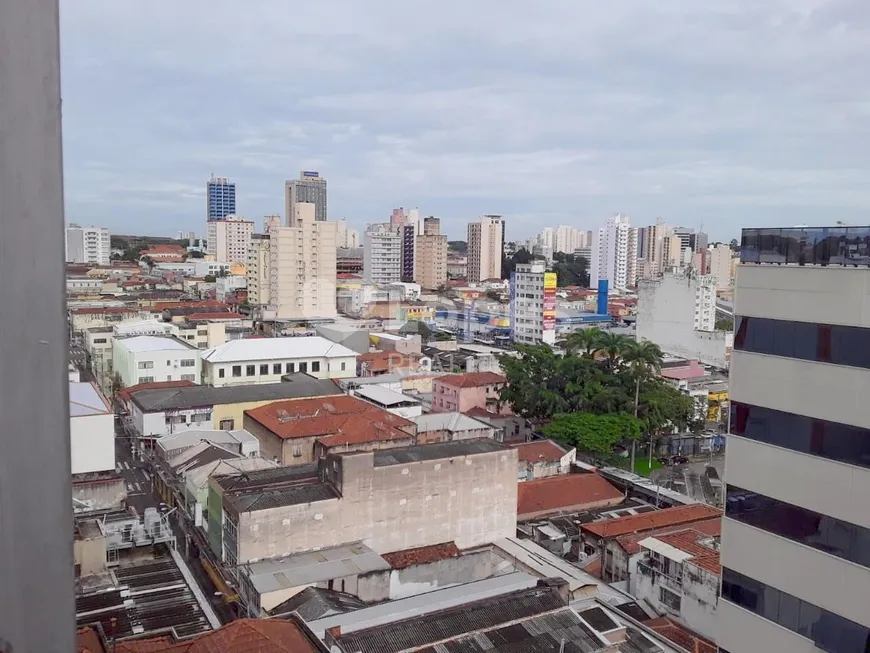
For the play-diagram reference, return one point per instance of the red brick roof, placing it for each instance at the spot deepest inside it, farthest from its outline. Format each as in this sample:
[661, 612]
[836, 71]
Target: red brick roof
[631, 543]
[88, 641]
[680, 635]
[560, 493]
[471, 380]
[353, 419]
[539, 451]
[381, 361]
[222, 315]
[162, 385]
[651, 520]
[689, 540]
[423, 555]
[241, 636]
[108, 310]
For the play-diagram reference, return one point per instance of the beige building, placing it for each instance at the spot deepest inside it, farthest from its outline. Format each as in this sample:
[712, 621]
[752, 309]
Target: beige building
[672, 254]
[485, 248]
[431, 254]
[228, 240]
[302, 267]
[720, 266]
[258, 270]
[346, 238]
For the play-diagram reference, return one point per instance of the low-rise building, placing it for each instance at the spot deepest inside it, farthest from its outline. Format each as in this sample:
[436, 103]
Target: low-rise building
[543, 458]
[290, 431]
[511, 429]
[447, 427]
[462, 392]
[91, 429]
[146, 359]
[266, 360]
[560, 495]
[391, 401]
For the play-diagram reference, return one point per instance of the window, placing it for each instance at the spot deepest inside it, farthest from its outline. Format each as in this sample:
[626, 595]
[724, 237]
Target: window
[146, 365]
[188, 362]
[188, 377]
[315, 366]
[834, 536]
[669, 599]
[303, 368]
[237, 370]
[227, 424]
[276, 368]
[146, 379]
[343, 367]
[202, 332]
[264, 369]
[297, 451]
[250, 370]
[100, 341]
[817, 437]
[291, 367]
[222, 373]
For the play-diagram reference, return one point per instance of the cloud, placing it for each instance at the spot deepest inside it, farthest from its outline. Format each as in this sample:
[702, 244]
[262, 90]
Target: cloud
[729, 114]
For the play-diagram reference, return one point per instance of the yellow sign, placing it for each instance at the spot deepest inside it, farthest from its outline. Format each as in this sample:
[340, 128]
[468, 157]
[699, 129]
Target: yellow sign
[550, 280]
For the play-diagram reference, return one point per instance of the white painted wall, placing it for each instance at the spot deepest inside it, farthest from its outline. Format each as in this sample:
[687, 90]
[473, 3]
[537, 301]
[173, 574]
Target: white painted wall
[330, 368]
[92, 442]
[150, 424]
[741, 631]
[162, 365]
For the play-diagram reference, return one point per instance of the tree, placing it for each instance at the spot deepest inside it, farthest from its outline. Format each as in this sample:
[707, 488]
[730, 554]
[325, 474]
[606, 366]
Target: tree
[614, 346]
[210, 278]
[458, 246]
[725, 324]
[509, 263]
[591, 433]
[533, 382]
[195, 254]
[585, 341]
[571, 270]
[643, 360]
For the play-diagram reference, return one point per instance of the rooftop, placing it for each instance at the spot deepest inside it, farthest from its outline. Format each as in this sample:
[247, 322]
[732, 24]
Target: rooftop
[422, 555]
[273, 488]
[651, 520]
[450, 422]
[471, 380]
[251, 349]
[316, 603]
[188, 438]
[439, 451]
[299, 385]
[539, 451]
[216, 316]
[85, 400]
[631, 543]
[680, 635]
[125, 393]
[564, 493]
[142, 344]
[691, 543]
[385, 396]
[337, 415]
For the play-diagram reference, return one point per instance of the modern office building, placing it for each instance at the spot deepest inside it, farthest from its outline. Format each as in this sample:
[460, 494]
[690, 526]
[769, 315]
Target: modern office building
[302, 267]
[382, 253]
[309, 188]
[614, 254]
[795, 548]
[431, 255]
[533, 304]
[90, 245]
[220, 198]
[485, 248]
[228, 239]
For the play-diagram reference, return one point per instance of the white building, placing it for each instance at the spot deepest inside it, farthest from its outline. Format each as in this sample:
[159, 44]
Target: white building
[302, 267]
[228, 239]
[533, 305]
[345, 237]
[88, 245]
[719, 262]
[795, 548]
[382, 253]
[228, 285]
[145, 359]
[266, 360]
[485, 248]
[677, 311]
[258, 270]
[614, 254]
[91, 430]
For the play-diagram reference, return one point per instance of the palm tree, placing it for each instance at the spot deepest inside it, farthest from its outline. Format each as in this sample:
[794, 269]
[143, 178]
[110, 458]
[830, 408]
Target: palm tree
[644, 359]
[614, 345]
[585, 341]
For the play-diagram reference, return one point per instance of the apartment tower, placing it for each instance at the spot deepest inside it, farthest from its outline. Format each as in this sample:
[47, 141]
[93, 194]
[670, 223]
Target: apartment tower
[88, 245]
[310, 188]
[485, 248]
[220, 195]
[431, 255]
[614, 254]
[382, 253]
[795, 548]
[228, 239]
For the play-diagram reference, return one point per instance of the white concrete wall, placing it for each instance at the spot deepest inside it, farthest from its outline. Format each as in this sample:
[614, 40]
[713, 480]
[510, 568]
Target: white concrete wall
[155, 423]
[92, 442]
[741, 631]
[166, 364]
[330, 368]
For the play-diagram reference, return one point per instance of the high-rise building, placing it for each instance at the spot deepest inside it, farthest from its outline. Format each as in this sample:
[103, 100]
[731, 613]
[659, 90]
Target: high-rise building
[567, 239]
[220, 198]
[533, 304]
[88, 245]
[614, 254]
[310, 188]
[346, 238]
[258, 270]
[382, 253]
[651, 248]
[228, 239]
[431, 254]
[672, 251]
[302, 266]
[485, 248]
[795, 547]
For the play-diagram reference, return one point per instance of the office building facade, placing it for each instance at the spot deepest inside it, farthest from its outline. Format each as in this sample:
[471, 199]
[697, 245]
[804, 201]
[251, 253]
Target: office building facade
[310, 188]
[220, 198]
[228, 239]
[90, 245]
[795, 548]
[485, 248]
[382, 253]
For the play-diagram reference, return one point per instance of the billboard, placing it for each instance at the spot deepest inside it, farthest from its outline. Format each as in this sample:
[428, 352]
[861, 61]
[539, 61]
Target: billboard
[310, 173]
[549, 305]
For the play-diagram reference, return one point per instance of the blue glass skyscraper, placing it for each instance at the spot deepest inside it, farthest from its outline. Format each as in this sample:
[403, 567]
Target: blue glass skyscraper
[220, 198]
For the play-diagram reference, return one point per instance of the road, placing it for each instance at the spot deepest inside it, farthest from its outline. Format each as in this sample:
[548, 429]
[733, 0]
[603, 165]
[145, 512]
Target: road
[693, 479]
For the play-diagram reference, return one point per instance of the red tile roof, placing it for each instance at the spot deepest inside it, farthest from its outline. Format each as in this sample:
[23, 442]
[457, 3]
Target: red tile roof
[471, 380]
[242, 636]
[565, 493]
[222, 315]
[108, 310]
[631, 543]
[345, 417]
[382, 361]
[651, 520]
[689, 540]
[423, 555]
[680, 635]
[125, 393]
[88, 641]
[539, 451]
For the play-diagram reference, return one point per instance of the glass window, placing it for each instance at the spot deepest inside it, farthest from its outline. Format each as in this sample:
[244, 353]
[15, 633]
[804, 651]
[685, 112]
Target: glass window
[188, 377]
[250, 370]
[276, 368]
[264, 369]
[303, 368]
[237, 370]
[146, 365]
[290, 367]
[315, 366]
[343, 366]
[188, 362]
[146, 379]
[221, 373]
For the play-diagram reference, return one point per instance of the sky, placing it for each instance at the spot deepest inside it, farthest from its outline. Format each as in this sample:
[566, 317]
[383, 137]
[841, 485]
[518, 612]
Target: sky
[716, 113]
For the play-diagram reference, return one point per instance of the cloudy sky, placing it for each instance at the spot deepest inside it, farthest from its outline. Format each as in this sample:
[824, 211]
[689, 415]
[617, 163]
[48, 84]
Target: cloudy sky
[726, 113]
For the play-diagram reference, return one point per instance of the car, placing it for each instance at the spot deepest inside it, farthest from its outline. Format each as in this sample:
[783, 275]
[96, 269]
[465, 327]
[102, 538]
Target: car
[679, 460]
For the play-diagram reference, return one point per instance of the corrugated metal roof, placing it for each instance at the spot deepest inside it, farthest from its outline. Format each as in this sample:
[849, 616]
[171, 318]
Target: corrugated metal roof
[438, 451]
[276, 348]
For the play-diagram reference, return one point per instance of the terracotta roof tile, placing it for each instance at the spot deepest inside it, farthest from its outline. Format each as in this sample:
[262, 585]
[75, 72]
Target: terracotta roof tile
[689, 540]
[471, 380]
[564, 493]
[539, 451]
[108, 310]
[125, 393]
[88, 641]
[680, 635]
[651, 520]
[222, 315]
[631, 543]
[421, 555]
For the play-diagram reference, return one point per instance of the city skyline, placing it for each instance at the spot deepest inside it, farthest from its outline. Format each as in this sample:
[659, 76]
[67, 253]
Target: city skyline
[729, 136]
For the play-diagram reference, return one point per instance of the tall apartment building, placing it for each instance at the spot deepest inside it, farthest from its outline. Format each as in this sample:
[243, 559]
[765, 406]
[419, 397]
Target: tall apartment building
[310, 188]
[533, 304]
[795, 549]
[719, 262]
[431, 255]
[346, 238]
[228, 239]
[88, 245]
[651, 249]
[302, 267]
[614, 253]
[485, 248]
[382, 253]
[220, 197]
[258, 270]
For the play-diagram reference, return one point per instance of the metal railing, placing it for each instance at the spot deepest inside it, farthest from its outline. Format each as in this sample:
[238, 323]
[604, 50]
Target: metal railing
[840, 245]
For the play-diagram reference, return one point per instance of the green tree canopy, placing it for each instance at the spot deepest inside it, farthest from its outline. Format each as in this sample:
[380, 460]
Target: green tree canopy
[572, 270]
[591, 433]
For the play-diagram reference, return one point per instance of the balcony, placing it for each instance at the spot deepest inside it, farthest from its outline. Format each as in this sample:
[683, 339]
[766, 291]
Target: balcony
[842, 246]
[650, 568]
